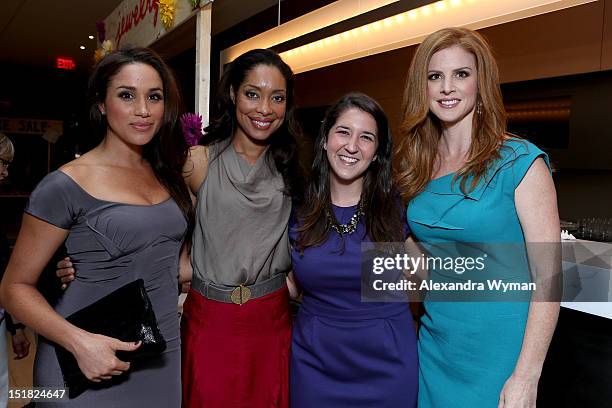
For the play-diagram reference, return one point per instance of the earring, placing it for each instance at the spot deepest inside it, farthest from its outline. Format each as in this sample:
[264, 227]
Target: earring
[479, 108]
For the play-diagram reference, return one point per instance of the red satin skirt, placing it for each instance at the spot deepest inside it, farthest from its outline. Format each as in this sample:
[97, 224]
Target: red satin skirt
[236, 355]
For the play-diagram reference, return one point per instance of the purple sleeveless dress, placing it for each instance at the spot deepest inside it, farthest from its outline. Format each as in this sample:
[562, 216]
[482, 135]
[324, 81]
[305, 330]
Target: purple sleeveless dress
[344, 352]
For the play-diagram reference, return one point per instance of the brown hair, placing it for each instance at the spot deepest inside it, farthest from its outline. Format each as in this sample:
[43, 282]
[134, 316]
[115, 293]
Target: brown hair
[420, 130]
[381, 204]
[167, 151]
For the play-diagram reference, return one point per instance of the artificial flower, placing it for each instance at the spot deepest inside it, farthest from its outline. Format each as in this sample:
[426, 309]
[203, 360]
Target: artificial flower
[101, 29]
[167, 11]
[106, 48]
[98, 55]
[191, 124]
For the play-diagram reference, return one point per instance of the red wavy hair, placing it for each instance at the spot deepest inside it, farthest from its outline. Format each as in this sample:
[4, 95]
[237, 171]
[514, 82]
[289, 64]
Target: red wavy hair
[420, 130]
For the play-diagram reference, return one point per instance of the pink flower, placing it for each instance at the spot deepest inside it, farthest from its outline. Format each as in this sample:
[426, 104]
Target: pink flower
[191, 124]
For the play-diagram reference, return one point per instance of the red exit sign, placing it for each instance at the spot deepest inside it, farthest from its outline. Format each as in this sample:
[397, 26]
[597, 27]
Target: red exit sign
[65, 63]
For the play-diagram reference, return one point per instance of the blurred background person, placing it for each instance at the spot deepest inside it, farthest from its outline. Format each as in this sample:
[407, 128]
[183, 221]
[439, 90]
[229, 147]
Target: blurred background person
[20, 342]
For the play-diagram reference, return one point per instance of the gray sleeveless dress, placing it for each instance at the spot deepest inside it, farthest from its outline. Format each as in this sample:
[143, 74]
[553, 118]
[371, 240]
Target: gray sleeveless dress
[112, 244]
[241, 233]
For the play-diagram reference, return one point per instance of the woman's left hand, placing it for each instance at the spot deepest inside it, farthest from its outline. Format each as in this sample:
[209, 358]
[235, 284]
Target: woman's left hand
[519, 393]
[21, 344]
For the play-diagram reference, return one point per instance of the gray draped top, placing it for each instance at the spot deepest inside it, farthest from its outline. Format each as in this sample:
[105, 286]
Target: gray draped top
[241, 233]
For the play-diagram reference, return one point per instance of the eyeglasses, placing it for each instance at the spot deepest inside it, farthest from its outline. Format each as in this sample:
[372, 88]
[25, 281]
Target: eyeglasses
[5, 163]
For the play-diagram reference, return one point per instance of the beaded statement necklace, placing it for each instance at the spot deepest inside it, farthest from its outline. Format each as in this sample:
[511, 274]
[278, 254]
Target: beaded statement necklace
[350, 226]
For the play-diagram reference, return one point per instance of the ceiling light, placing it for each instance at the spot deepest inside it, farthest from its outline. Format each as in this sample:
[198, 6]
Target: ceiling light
[91, 37]
[440, 6]
[373, 39]
[82, 47]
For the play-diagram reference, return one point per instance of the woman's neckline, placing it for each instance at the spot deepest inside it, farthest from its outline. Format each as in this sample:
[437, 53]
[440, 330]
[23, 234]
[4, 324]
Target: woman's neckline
[344, 206]
[109, 201]
[444, 176]
[505, 141]
[241, 157]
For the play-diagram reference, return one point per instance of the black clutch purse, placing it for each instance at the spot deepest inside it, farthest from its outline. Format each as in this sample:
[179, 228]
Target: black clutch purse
[125, 314]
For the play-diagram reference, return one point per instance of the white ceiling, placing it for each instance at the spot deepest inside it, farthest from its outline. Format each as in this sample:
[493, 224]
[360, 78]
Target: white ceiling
[35, 32]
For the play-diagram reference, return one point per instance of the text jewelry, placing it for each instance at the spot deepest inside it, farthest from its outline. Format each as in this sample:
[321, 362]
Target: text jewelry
[350, 226]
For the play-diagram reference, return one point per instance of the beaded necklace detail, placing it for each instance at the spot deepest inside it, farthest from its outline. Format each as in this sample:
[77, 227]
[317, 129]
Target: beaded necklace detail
[350, 226]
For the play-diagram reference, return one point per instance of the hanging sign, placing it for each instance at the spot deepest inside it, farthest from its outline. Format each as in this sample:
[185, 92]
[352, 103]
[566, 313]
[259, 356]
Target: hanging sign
[30, 126]
[142, 22]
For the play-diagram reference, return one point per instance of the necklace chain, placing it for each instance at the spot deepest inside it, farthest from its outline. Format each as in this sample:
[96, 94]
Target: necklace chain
[350, 226]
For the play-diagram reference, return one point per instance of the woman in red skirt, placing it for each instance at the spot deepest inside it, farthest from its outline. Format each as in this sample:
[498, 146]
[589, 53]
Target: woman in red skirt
[236, 326]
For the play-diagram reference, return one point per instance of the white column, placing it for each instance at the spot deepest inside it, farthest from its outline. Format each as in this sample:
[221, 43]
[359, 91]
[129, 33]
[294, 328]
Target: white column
[202, 72]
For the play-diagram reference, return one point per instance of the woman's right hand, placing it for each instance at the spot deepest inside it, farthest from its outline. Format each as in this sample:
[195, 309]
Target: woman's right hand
[294, 288]
[96, 357]
[65, 272]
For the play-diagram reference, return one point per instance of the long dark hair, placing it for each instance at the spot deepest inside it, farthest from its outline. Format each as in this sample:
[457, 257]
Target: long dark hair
[282, 151]
[167, 151]
[378, 197]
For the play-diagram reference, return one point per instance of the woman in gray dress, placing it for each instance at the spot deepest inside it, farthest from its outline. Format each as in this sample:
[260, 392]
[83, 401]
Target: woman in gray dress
[123, 209]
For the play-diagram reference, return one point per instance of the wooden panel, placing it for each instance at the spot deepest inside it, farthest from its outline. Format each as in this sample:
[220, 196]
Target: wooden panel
[562, 43]
[381, 76]
[555, 44]
[606, 47]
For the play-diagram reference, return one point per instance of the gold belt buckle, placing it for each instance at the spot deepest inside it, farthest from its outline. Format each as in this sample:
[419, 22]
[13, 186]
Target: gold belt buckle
[240, 295]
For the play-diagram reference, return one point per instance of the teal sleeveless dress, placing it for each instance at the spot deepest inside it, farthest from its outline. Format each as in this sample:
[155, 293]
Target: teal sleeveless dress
[468, 349]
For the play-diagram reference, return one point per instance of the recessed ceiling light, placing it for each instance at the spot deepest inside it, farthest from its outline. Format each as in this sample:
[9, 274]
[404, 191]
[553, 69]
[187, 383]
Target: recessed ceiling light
[91, 37]
[82, 47]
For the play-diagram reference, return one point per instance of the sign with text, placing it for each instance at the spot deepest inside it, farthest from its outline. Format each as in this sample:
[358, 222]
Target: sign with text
[30, 126]
[65, 63]
[138, 22]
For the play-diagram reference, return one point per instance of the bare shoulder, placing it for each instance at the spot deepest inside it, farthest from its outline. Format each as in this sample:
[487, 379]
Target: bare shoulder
[536, 204]
[196, 167]
[81, 168]
[537, 176]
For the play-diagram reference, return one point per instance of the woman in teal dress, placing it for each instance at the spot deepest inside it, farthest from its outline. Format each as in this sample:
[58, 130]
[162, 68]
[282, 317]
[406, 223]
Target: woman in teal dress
[467, 181]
